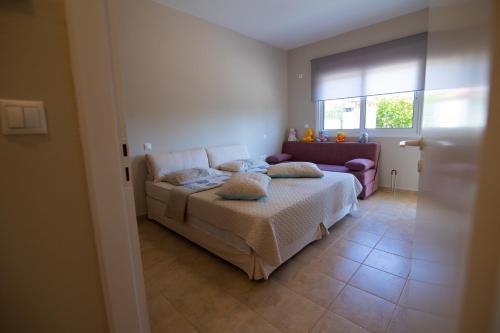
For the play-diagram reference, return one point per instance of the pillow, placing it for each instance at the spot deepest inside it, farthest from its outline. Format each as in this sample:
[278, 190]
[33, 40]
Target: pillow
[360, 164]
[243, 165]
[233, 166]
[295, 170]
[245, 186]
[160, 164]
[188, 176]
[222, 154]
[278, 158]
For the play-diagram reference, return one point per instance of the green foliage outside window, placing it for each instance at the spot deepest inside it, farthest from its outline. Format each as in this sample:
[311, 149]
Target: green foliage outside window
[394, 112]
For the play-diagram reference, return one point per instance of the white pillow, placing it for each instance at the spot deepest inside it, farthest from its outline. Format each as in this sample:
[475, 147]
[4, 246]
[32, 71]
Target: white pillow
[294, 170]
[243, 165]
[161, 164]
[188, 176]
[222, 154]
[245, 186]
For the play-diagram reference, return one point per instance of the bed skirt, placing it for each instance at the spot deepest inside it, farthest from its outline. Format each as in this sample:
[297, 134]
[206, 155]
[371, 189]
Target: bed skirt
[232, 248]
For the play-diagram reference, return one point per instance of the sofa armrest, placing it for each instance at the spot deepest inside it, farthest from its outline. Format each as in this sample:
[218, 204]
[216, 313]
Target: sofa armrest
[360, 164]
[278, 158]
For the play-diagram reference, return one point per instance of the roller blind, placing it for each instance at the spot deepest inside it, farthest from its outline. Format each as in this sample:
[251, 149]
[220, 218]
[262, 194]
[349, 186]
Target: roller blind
[389, 67]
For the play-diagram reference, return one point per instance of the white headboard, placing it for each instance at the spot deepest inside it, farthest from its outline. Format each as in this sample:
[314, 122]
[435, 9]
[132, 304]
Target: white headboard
[159, 164]
[222, 154]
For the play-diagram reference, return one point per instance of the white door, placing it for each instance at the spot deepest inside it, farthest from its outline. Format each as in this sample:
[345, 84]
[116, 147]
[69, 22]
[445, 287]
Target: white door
[454, 117]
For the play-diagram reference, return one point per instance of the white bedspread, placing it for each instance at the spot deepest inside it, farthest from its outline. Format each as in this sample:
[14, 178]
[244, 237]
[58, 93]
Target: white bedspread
[295, 207]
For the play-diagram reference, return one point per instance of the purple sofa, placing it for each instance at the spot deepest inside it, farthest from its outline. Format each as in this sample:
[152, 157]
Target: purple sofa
[331, 156]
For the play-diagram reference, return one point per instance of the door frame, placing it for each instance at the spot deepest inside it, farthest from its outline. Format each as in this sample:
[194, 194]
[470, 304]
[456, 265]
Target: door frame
[102, 133]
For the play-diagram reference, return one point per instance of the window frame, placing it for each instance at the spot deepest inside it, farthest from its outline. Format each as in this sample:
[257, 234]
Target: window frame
[376, 132]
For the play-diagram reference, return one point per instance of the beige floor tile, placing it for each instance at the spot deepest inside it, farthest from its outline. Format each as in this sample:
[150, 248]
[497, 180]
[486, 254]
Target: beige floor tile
[282, 307]
[430, 298]
[404, 233]
[164, 318]
[332, 323]
[327, 241]
[413, 321]
[309, 253]
[362, 237]
[430, 272]
[316, 286]
[337, 267]
[256, 324]
[349, 250]
[388, 262]
[288, 271]
[364, 309]
[371, 225]
[206, 307]
[340, 227]
[395, 246]
[379, 283]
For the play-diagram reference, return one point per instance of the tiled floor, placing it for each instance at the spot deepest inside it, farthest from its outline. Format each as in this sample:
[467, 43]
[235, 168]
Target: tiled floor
[355, 280]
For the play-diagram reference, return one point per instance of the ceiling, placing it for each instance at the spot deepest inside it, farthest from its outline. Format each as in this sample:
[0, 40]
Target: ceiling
[288, 24]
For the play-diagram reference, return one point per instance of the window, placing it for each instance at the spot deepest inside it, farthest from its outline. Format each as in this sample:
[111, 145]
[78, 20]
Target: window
[342, 113]
[390, 111]
[395, 114]
[377, 88]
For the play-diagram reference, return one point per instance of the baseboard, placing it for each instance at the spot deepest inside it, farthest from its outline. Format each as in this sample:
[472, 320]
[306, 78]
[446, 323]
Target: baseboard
[400, 190]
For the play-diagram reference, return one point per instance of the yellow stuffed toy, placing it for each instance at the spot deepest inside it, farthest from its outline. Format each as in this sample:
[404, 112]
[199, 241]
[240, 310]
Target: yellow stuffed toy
[340, 137]
[309, 135]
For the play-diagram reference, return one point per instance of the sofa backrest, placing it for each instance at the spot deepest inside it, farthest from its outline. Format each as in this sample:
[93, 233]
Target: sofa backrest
[331, 152]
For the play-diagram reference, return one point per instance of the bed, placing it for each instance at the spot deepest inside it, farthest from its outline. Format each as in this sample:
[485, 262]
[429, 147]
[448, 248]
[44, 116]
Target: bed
[256, 236]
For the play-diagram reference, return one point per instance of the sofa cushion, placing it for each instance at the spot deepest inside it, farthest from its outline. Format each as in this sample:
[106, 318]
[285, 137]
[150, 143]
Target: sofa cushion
[360, 164]
[278, 158]
[364, 177]
[333, 168]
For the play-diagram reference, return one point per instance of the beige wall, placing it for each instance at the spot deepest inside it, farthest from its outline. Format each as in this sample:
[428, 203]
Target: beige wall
[189, 83]
[49, 280]
[302, 110]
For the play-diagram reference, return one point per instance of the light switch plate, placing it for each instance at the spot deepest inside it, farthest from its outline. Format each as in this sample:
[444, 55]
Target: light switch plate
[23, 117]
[15, 117]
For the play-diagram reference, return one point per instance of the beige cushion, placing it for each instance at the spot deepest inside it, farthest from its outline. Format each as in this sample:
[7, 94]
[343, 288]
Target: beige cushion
[243, 165]
[233, 166]
[222, 154]
[294, 170]
[245, 186]
[188, 176]
[161, 164]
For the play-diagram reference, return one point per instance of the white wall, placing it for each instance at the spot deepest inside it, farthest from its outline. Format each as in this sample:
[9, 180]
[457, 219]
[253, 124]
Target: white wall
[302, 111]
[189, 83]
